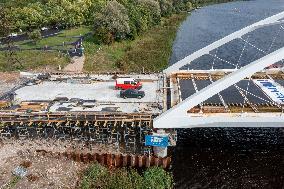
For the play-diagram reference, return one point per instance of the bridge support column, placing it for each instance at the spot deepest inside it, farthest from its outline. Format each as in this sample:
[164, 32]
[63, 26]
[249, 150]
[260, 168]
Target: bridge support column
[161, 151]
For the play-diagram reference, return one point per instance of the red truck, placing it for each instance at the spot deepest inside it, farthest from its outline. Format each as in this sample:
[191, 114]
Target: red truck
[127, 83]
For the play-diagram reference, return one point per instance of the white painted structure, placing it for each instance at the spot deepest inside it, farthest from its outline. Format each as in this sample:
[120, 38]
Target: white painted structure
[177, 117]
[273, 20]
[272, 89]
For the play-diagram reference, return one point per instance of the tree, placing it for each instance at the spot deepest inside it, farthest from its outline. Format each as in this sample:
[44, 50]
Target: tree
[29, 17]
[166, 7]
[150, 12]
[113, 20]
[182, 5]
[6, 27]
[5, 22]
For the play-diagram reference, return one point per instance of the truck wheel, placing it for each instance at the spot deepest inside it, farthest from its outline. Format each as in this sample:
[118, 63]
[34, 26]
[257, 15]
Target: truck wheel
[125, 97]
[139, 97]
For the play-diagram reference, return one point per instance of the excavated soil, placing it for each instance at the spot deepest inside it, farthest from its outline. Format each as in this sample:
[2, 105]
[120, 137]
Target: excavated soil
[9, 81]
[43, 171]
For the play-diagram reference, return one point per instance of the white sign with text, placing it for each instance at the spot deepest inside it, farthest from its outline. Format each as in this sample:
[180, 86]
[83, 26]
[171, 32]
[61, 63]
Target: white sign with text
[274, 90]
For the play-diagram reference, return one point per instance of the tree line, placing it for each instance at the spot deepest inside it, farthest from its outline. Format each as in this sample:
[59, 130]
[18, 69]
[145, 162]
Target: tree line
[112, 20]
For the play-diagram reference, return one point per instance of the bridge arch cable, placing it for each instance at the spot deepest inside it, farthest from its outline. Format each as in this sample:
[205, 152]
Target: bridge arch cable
[268, 76]
[177, 116]
[244, 93]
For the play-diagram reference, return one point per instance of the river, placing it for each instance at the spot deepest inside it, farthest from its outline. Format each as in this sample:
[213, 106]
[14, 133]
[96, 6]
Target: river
[227, 157]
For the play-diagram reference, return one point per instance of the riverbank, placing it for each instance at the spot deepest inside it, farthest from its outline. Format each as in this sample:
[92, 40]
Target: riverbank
[150, 52]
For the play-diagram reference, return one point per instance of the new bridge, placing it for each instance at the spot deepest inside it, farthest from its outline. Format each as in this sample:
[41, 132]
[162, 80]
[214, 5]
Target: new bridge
[250, 93]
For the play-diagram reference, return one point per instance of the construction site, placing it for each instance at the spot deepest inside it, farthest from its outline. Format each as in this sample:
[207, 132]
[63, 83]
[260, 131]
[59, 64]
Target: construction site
[87, 108]
[80, 117]
[88, 117]
[82, 108]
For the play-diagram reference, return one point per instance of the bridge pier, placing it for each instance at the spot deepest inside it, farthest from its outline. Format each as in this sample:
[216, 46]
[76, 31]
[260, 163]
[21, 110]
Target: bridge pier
[160, 151]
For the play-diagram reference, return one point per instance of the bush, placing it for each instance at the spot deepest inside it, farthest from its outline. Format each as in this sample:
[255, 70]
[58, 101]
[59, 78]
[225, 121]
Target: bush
[121, 178]
[156, 177]
[98, 176]
[34, 35]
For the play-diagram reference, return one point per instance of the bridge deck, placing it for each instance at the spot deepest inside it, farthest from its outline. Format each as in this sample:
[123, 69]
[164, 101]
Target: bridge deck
[186, 83]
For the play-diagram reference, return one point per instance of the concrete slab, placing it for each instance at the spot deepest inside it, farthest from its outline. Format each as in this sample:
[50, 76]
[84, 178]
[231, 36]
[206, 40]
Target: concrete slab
[130, 107]
[99, 91]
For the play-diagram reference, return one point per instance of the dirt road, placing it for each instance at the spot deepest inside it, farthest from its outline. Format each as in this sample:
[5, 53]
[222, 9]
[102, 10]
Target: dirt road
[76, 65]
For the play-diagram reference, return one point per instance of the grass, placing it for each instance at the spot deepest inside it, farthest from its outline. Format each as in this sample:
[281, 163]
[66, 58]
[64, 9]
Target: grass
[150, 52]
[30, 60]
[98, 176]
[66, 36]
[35, 59]
[103, 58]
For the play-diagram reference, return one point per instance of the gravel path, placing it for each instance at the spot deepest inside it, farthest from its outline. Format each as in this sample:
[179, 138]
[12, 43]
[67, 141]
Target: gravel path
[76, 65]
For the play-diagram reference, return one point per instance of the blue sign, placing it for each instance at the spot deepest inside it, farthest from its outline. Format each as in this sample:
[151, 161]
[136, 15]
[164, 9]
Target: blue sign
[153, 140]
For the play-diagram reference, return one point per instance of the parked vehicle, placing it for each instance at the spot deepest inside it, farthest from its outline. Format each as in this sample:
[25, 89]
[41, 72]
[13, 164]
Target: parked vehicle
[44, 28]
[13, 35]
[127, 83]
[132, 93]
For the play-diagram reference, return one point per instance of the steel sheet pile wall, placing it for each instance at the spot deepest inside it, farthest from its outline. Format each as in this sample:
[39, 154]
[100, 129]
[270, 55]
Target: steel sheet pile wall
[111, 160]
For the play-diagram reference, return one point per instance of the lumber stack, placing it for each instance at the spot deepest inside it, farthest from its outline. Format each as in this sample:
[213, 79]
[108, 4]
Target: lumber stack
[32, 106]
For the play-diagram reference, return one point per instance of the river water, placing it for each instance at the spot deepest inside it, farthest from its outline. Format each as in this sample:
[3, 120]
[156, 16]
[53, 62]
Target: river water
[228, 157]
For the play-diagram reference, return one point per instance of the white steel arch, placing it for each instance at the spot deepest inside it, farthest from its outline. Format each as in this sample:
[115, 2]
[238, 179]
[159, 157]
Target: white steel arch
[177, 117]
[273, 20]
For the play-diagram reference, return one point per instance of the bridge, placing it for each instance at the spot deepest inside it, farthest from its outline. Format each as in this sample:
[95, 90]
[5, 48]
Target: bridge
[241, 89]
[245, 95]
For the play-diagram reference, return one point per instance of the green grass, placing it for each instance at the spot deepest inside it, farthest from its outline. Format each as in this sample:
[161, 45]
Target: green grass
[149, 52]
[30, 60]
[104, 58]
[67, 36]
[98, 176]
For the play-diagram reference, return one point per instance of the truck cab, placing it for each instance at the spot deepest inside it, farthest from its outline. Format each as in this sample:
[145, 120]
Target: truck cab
[127, 83]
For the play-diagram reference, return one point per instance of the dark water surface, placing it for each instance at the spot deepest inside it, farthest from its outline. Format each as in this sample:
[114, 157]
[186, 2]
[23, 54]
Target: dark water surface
[228, 157]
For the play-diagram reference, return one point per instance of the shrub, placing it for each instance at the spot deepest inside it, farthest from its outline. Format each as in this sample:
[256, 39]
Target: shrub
[121, 178]
[98, 176]
[34, 35]
[156, 177]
